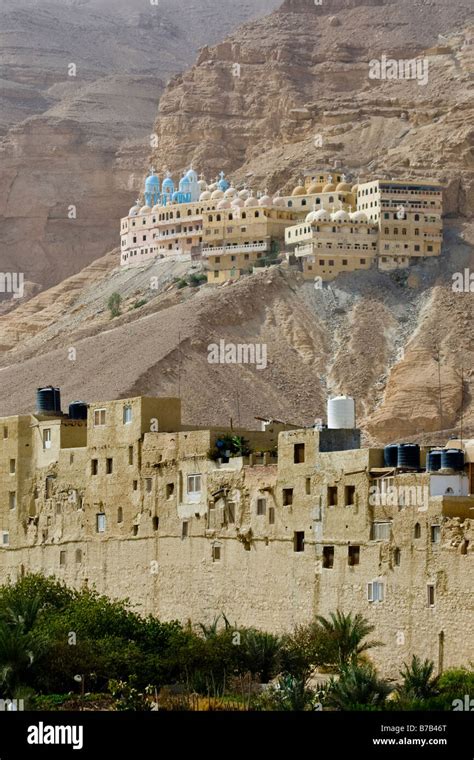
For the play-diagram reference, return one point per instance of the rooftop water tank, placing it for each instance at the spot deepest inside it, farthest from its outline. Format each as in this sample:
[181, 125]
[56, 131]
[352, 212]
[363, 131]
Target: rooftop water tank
[78, 410]
[408, 456]
[390, 455]
[452, 459]
[434, 460]
[341, 413]
[48, 400]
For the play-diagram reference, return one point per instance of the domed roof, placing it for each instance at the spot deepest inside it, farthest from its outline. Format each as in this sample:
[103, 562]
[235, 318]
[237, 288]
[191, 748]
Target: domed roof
[279, 201]
[244, 194]
[251, 201]
[152, 182]
[192, 176]
[134, 210]
[329, 188]
[359, 216]
[223, 204]
[237, 203]
[311, 217]
[354, 188]
[145, 210]
[184, 184]
[230, 192]
[316, 187]
[212, 186]
[344, 187]
[156, 209]
[340, 216]
[322, 215]
[205, 196]
[176, 196]
[265, 200]
[202, 185]
[299, 190]
[217, 194]
[168, 185]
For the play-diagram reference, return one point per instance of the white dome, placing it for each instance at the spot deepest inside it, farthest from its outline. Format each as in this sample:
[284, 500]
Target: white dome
[279, 201]
[244, 194]
[156, 209]
[145, 210]
[212, 187]
[340, 216]
[265, 200]
[237, 203]
[311, 217]
[205, 196]
[202, 185]
[230, 192]
[217, 195]
[322, 215]
[359, 216]
[223, 204]
[251, 201]
[134, 211]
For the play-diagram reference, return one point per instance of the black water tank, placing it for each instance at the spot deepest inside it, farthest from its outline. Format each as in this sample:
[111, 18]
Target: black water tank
[46, 400]
[408, 456]
[452, 459]
[390, 455]
[434, 460]
[78, 410]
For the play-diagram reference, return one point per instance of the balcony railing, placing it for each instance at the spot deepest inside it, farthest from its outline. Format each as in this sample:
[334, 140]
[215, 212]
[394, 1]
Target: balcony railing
[243, 248]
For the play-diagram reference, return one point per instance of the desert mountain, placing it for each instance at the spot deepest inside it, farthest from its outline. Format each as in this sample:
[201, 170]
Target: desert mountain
[83, 140]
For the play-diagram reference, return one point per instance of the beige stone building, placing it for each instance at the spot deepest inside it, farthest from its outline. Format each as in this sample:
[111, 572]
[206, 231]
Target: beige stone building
[299, 522]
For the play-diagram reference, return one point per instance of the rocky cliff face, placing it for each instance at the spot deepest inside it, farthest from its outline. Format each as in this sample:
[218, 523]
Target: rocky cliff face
[83, 141]
[293, 90]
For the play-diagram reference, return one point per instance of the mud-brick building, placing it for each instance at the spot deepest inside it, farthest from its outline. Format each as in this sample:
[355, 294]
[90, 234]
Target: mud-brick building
[270, 526]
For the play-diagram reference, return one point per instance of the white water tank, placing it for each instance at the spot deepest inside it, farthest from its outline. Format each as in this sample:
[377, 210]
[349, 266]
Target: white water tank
[341, 413]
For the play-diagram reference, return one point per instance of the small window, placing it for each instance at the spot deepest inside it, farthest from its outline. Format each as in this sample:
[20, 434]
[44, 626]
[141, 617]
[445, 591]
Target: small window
[156, 523]
[47, 438]
[194, 484]
[12, 499]
[298, 453]
[229, 513]
[328, 557]
[332, 496]
[5, 432]
[298, 541]
[349, 496]
[397, 557]
[381, 531]
[271, 515]
[353, 555]
[417, 531]
[120, 515]
[99, 417]
[375, 591]
[49, 486]
[78, 556]
[308, 486]
[135, 485]
[169, 490]
[127, 414]
[431, 595]
[261, 506]
[287, 497]
[130, 454]
[435, 534]
[148, 485]
[184, 529]
[216, 553]
[62, 558]
[12, 466]
[101, 522]
[109, 466]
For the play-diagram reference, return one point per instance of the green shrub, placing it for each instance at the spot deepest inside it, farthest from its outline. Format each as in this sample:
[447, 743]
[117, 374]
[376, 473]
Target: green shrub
[113, 305]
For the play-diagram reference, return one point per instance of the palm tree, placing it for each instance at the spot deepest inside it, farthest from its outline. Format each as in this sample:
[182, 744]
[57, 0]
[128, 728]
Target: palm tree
[348, 634]
[418, 680]
[357, 687]
[20, 645]
[262, 654]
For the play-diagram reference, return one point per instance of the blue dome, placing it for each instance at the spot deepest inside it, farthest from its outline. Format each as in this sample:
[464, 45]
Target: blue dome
[168, 185]
[223, 185]
[152, 183]
[176, 196]
[184, 184]
[191, 176]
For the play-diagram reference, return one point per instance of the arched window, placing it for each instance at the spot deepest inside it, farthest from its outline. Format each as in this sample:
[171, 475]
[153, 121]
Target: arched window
[303, 202]
[231, 217]
[218, 218]
[290, 204]
[396, 556]
[417, 531]
[257, 213]
[211, 218]
[417, 217]
[331, 199]
[190, 213]
[244, 215]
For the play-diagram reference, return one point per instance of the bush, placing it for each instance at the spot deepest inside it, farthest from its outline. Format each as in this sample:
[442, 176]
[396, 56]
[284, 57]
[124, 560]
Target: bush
[181, 284]
[141, 302]
[357, 688]
[194, 280]
[113, 305]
